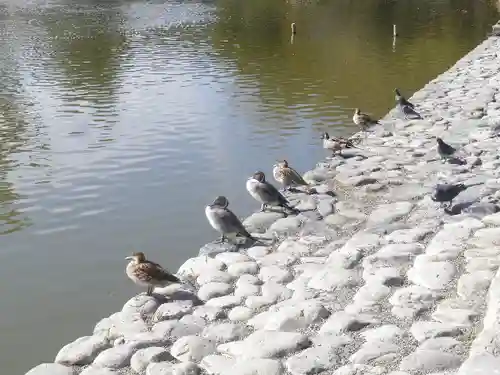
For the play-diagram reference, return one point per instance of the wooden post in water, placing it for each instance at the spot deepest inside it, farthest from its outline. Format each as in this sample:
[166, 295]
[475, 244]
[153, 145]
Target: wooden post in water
[294, 28]
[394, 31]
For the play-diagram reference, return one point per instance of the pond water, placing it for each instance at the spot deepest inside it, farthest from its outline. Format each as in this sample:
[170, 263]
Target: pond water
[120, 122]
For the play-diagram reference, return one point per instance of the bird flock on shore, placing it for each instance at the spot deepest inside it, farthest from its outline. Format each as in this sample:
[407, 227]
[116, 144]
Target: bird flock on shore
[149, 274]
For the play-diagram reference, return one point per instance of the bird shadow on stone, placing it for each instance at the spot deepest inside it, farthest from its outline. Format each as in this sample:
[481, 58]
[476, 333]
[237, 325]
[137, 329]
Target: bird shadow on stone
[457, 208]
[180, 295]
[456, 161]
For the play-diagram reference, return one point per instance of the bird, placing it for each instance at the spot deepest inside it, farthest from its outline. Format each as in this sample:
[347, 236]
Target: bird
[447, 192]
[146, 273]
[401, 99]
[444, 149]
[407, 111]
[265, 193]
[335, 144]
[287, 176]
[223, 220]
[363, 120]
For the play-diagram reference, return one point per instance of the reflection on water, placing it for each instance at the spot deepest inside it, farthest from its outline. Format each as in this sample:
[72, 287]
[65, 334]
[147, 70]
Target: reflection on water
[119, 121]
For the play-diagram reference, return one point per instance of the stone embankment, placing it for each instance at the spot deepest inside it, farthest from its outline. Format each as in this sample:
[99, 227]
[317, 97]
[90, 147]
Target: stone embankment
[375, 280]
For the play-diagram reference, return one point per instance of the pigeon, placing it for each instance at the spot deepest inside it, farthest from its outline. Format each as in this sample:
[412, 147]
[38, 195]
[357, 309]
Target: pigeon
[447, 192]
[444, 149]
[265, 193]
[146, 273]
[401, 99]
[407, 111]
[223, 220]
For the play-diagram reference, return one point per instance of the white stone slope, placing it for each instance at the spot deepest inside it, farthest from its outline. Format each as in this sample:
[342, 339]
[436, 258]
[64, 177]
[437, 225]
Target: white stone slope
[378, 280]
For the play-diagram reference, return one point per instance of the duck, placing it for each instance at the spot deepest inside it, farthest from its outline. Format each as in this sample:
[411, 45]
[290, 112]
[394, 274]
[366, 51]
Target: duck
[149, 274]
[265, 193]
[224, 221]
[287, 176]
[335, 144]
[363, 120]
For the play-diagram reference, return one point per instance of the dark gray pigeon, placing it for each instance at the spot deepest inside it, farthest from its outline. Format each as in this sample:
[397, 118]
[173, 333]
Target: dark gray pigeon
[447, 192]
[407, 111]
[402, 99]
[444, 149]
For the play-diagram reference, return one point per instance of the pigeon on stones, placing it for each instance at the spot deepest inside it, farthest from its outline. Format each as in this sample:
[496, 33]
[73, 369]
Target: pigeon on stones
[265, 193]
[223, 220]
[447, 192]
[407, 111]
[401, 99]
[444, 149]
